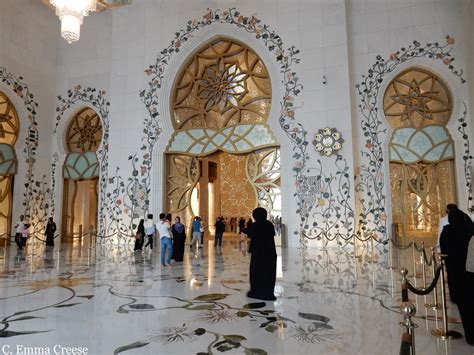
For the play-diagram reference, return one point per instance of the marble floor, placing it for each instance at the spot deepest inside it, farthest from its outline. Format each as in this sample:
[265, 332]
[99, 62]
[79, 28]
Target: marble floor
[111, 300]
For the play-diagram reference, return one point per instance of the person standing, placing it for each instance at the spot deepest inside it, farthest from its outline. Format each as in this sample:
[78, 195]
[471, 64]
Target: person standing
[241, 227]
[195, 231]
[19, 226]
[454, 242]
[163, 228]
[201, 230]
[263, 259]
[150, 231]
[220, 228]
[49, 233]
[139, 235]
[179, 237]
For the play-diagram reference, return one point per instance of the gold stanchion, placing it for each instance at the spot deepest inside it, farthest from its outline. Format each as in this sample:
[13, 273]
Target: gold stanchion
[413, 249]
[355, 247]
[435, 305]
[444, 333]
[409, 310]
[390, 255]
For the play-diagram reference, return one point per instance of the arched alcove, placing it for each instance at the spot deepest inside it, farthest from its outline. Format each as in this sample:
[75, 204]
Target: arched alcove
[83, 137]
[418, 106]
[220, 104]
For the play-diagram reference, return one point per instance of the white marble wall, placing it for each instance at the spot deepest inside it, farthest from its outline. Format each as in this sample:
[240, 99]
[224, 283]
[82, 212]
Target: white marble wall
[28, 48]
[338, 40]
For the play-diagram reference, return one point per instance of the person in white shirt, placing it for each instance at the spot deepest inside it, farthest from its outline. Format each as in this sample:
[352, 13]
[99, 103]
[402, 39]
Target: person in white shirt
[163, 228]
[150, 231]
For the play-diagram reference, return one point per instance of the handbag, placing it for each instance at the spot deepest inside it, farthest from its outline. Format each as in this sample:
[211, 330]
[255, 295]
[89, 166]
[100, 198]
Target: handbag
[138, 236]
[470, 256]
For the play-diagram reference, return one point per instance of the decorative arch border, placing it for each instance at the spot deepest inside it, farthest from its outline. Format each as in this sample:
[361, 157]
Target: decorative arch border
[370, 183]
[21, 89]
[285, 58]
[97, 100]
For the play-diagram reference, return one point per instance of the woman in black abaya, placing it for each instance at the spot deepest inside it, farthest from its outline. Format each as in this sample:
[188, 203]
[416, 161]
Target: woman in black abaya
[454, 242]
[263, 259]
[179, 237]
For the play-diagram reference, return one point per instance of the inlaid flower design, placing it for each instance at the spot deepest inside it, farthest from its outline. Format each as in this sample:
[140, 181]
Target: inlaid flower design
[222, 85]
[328, 141]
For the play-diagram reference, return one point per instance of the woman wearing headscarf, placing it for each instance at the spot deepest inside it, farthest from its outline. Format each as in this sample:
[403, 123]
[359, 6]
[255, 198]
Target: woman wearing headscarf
[140, 235]
[49, 233]
[179, 237]
[454, 242]
[263, 260]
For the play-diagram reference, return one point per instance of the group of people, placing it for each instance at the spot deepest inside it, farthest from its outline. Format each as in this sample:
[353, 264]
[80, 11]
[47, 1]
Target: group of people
[455, 236]
[262, 245]
[22, 232]
[172, 237]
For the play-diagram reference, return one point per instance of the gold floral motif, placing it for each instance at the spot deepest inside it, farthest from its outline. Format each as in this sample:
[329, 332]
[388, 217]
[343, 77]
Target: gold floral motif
[84, 132]
[416, 98]
[225, 83]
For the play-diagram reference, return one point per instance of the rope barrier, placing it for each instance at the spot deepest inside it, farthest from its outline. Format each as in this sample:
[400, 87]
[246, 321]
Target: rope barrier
[427, 290]
[403, 247]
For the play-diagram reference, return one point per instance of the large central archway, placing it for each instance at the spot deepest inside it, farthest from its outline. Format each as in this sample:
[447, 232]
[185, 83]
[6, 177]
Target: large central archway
[222, 158]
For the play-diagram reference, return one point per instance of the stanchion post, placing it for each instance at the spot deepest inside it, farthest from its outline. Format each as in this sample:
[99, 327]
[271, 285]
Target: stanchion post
[445, 333]
[372, 237]
[413, 249]
[409, 310]
[423, 270]
[355, 245]
[435, 304]
[90, 236]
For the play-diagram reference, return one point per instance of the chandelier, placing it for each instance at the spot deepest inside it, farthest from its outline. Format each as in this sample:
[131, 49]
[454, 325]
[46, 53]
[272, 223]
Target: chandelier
[71, 13]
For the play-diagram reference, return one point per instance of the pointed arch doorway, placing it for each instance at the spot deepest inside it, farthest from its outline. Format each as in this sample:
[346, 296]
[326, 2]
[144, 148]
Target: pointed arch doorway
[418, 106]
[222, 159]
[81, 173]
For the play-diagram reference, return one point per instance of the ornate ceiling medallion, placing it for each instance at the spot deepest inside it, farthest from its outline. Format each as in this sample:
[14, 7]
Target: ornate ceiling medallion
[328, 141]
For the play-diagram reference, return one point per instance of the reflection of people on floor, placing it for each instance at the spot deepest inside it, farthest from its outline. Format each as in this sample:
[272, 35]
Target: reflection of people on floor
[139, 235]
[454, 242]
[263, 257]
[242, 227]
[49, 233]
[220, 228]
[163, 228]
[179, 237]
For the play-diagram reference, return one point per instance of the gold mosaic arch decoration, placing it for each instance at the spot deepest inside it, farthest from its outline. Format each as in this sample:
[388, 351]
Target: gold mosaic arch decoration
[9, 130]
[9, 123]
[84, 132]
[418, 105]
[223, 84]
[220, 101]
[417, 97]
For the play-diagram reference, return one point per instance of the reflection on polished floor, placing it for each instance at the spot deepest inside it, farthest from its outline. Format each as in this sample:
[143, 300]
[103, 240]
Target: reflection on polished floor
[111, 300]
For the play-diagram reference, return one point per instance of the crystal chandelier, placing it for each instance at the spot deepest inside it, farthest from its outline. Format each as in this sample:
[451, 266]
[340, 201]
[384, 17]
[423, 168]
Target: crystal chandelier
[71, 13]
